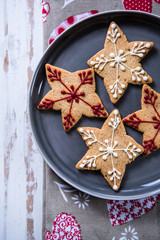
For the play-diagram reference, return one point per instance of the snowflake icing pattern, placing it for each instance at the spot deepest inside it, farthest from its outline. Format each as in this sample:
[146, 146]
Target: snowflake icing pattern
[118, 63]
[147, 120]
[73, 94]
[110, 150]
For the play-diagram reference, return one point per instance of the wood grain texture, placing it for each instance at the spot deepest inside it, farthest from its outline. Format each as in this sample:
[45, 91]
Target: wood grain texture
[21, 166]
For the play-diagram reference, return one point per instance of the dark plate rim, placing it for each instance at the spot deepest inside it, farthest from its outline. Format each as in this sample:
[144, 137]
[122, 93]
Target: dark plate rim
[43, 154]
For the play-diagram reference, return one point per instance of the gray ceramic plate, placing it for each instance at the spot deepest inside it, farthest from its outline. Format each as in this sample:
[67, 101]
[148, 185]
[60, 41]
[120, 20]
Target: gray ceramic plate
[63, 150]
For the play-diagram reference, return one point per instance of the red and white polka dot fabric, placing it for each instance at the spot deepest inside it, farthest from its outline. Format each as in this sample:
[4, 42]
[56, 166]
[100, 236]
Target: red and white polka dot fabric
[68, 22]
[139, 5]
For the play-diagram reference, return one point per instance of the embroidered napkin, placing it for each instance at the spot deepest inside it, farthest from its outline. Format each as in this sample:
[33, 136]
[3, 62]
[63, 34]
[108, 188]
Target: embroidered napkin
[78, 215]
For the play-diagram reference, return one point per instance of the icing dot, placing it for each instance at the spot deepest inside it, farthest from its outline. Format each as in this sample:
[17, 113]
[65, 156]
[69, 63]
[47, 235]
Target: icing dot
[81, 130]
[122, 68]
[94, 165]
[138, 150]
[81, 165]
[104, 157]
[124, 59]
[140, 55]
[123, 86]
[100, 149]
[116, 112]
[112, 64]
[87, 157]
[101, 68]
[111, 87]
[115, 187]
[109, 172]
[106, 141]
[133, 78]
[112, 55]
[138, 68]
[92, 62]
[112, 91]
[113, 26]
[97, 59]
[115, 154]
[148, 45]
[145, 78]
[102, 55]
[115, 95]
[89, 143]
[121, 52]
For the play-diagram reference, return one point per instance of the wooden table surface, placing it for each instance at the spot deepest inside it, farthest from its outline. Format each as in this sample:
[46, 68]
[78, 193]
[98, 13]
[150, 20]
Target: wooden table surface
[21, 166]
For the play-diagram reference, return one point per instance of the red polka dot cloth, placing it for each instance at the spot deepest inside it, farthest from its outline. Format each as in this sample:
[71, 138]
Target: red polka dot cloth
[139, 5]
[68, 22]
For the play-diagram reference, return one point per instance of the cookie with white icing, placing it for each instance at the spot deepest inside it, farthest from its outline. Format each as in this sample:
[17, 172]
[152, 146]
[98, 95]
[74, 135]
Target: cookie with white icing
[119, 62]
[73, 94]
[110, 149]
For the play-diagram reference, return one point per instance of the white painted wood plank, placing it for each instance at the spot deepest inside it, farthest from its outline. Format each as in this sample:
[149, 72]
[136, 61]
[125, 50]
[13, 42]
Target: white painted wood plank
[21, 166]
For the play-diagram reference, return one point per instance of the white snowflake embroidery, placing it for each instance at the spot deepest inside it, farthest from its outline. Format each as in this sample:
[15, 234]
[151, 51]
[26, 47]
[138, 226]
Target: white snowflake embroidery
[81, 199]
[65, 188]
[118, 60]
[108, 149]
[129, 234]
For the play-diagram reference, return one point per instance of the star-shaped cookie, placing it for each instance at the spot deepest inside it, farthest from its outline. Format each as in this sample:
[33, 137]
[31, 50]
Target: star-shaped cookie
[118, 63]
[73, 94]
[110, 149]
[147, 120]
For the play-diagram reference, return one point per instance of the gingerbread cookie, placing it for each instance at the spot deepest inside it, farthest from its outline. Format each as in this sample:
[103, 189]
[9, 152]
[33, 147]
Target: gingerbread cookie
[118, 63]
[147, 120]
[110, 149]
[73, 94]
